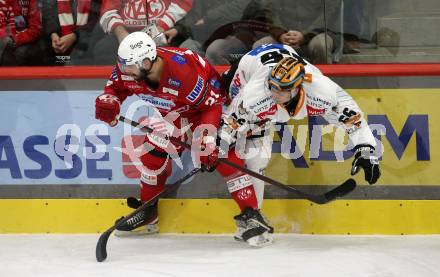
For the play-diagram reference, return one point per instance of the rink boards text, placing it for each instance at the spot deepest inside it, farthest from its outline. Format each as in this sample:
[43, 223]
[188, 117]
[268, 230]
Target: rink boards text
[400, 122]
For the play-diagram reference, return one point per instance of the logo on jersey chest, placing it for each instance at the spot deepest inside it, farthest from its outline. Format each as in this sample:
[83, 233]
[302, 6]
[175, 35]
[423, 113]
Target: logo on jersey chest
[175, 83]
[196, 90]
[271, 111]
[136, 87]
[262, 104]
[314, 111]
[159, 103]
[262, 108]
[318, 102]
[316, 105]
[170, 91]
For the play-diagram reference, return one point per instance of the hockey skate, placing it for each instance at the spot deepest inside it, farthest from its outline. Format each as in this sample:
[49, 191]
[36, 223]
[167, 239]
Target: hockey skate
[144, 222]
[253, 228]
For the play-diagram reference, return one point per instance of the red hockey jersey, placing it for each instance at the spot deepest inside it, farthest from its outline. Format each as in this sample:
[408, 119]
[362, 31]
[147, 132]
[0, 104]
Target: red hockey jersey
[136, 14]
[188, 85]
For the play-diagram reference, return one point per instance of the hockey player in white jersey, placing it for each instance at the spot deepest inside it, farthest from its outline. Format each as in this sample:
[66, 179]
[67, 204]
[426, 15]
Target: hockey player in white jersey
[273, 84]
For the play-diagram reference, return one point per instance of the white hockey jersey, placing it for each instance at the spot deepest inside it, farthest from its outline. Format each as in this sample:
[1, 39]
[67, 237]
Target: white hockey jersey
[252, 106]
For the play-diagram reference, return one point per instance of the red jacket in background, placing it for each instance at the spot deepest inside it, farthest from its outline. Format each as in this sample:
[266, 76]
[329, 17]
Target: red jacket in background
[7, 21]
[136, 14]
[32, 30]
[188, 85]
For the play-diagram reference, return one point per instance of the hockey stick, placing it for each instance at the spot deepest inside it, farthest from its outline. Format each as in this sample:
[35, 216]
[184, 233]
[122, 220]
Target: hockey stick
[101, 246]
[339, 191]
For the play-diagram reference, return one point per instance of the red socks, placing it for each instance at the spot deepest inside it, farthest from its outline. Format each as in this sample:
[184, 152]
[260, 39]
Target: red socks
[153, 180]
[239, 184]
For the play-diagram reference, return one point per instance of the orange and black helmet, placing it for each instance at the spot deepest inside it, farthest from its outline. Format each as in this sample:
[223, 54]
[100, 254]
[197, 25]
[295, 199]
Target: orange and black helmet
[287, 74]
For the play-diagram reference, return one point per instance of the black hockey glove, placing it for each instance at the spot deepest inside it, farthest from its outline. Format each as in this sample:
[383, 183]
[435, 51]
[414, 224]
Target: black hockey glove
[364, 157]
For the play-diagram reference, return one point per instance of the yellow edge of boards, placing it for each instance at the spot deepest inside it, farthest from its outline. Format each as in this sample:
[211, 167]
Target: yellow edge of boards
[215, 216]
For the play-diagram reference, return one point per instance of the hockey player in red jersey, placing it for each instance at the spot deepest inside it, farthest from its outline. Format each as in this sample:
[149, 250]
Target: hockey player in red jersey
[178, 81]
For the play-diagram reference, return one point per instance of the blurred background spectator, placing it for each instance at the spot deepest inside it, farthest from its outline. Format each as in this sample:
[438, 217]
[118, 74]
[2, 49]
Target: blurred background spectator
[7, 24]
[302, 25]
[224, 31]
[209, 20]
[21, 33]
[86, 32]
[355, 27]
[232, 41]
[68, 25]
[120, 17]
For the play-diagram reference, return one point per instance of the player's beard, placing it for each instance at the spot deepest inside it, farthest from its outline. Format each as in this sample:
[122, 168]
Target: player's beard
[143, 76]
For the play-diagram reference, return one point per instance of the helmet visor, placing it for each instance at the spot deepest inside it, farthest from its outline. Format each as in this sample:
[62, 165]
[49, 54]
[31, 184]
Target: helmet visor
[282, 95]
[127, 68]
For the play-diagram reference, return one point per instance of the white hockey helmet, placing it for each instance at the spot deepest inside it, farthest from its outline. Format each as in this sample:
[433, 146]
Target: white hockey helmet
[134, 49]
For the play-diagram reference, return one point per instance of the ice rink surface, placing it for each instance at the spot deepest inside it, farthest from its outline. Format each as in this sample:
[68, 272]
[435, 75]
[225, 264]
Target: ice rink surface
[209, 255]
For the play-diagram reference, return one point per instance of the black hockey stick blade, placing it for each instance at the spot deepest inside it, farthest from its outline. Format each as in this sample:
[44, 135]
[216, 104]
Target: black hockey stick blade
[101, 245]
[339, 191]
